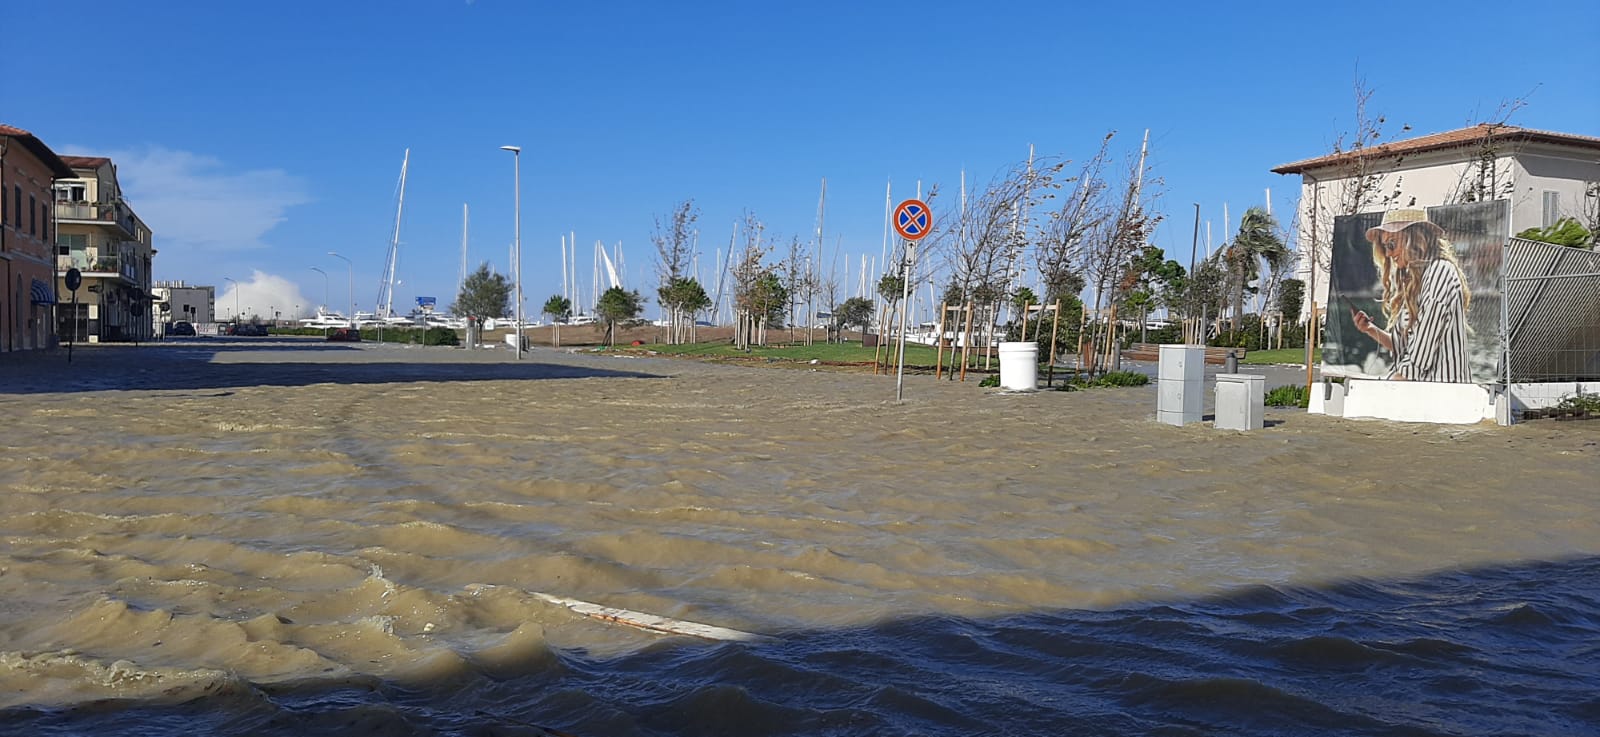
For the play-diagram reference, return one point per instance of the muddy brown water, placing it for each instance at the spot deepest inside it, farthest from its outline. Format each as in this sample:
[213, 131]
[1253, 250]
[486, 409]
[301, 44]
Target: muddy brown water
[197, 523]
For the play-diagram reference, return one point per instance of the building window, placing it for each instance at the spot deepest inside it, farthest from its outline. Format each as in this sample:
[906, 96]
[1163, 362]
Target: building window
[71, 193]
[33, 216]
[16, 207]
[1552, 207]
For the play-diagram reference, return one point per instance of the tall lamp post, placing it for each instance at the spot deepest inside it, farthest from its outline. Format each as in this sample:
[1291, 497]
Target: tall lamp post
[235, 298]
[516, 163]
[324, 285]
[351, 286]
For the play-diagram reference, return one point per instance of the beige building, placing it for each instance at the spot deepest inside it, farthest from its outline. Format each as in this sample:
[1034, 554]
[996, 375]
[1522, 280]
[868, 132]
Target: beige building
[99, 234]
[27, 268]
[1546, 177]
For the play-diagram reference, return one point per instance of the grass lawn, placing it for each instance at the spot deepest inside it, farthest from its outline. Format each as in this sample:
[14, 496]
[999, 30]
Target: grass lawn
[1281, 355]
[837, 353]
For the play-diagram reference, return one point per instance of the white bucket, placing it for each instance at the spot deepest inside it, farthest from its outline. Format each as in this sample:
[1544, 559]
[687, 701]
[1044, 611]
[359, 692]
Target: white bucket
[1019, 366]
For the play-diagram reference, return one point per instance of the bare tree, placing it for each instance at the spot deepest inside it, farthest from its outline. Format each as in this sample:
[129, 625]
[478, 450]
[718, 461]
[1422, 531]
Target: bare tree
[985, 246]
[800, 281]
[749, 268]
[1114, 243]
[1367, 161]
[1064, 232]
[828, 287]
[1488, 175]
[1364, 159]
[674, 241]
[1591, 210]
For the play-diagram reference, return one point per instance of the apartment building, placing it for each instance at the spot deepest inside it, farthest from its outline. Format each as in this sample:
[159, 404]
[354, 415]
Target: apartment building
[100, 235]
[178, 301]
[27, 232]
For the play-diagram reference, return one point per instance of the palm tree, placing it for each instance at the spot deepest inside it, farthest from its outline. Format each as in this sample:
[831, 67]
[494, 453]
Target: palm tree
[1257, 241]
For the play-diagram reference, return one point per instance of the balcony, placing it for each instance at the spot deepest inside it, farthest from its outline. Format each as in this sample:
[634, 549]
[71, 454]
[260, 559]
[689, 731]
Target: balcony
[98, 267]
[94, 212]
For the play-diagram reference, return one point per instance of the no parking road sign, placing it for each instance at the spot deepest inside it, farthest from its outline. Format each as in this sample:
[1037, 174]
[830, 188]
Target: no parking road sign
[913, 220]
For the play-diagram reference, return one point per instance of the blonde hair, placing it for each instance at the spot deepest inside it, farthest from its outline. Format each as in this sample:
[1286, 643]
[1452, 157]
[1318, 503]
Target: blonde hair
[1401, 286]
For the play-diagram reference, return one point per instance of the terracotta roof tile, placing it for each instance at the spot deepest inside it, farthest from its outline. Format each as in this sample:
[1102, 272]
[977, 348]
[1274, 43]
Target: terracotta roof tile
[1459, 138]
[85, 162]
[57, 167]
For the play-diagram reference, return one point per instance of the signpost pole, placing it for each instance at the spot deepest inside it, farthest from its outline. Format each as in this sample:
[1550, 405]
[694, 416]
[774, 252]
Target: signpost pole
[905, 295]
[74, 279]
[912, 222]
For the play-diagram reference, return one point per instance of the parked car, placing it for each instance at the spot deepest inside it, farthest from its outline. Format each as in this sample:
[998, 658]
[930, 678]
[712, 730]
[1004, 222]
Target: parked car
[242, 328]
[345, 335]
[182, 327]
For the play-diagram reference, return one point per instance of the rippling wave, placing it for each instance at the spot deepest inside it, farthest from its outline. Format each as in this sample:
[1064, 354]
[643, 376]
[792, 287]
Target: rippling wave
[1506, 650]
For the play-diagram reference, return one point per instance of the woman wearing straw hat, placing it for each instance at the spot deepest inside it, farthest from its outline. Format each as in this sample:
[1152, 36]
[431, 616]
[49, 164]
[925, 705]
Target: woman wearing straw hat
[1425, 300]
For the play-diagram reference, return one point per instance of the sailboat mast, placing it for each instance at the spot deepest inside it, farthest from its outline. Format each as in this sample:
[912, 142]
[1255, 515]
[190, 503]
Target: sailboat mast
[884, 255]
[385, 305]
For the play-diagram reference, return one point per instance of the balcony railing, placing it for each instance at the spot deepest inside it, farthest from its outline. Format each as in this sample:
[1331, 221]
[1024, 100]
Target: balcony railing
[77, 261]
[93, 212]
[98, 266]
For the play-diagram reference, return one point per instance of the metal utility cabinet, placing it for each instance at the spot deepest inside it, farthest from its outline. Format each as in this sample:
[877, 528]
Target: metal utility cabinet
[1180, 381]
[1241, 401]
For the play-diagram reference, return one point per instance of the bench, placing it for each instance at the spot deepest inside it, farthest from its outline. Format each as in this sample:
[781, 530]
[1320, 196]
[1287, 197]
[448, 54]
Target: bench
[1152, 352]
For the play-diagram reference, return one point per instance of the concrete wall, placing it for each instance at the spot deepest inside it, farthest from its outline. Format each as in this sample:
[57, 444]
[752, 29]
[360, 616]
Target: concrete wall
[1539, 172]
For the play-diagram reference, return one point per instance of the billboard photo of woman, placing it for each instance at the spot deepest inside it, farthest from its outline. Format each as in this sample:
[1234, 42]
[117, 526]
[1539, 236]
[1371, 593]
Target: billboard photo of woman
[1424, 299]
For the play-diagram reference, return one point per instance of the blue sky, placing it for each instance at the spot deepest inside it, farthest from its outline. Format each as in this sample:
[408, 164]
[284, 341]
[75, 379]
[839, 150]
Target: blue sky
[256, 137]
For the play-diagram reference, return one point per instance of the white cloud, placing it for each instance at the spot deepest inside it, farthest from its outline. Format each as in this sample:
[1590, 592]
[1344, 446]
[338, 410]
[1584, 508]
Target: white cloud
[198, 205]
[262, 295]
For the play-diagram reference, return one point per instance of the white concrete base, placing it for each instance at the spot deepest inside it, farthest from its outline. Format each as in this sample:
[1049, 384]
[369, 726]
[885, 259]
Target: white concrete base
[1541, 396]
[1418, 401]
[1455, 404]
[1326, 399]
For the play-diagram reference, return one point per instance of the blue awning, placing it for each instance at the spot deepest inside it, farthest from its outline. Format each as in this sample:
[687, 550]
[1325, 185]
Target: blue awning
[42, 293]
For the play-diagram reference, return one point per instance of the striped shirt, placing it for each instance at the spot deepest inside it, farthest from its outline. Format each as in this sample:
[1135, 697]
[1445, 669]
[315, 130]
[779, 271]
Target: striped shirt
[1434, 347]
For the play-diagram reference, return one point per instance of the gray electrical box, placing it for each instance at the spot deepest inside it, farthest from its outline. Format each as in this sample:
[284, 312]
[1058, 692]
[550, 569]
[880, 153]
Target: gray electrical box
[1179, 383]
[1241, 400]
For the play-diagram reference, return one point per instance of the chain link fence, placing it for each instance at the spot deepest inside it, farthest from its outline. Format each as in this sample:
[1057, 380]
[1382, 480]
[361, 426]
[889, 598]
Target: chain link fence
[1550, 313]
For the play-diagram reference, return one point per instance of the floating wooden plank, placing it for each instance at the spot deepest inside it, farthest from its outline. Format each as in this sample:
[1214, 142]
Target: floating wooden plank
[651, 622]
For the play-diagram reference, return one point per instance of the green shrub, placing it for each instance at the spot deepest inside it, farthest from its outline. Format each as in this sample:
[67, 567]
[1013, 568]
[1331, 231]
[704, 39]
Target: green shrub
[1123, 378]
[1159, 336]
[990, 380]
[1293, 395]
[440, 336]
[1580, 402]
[1112, 379]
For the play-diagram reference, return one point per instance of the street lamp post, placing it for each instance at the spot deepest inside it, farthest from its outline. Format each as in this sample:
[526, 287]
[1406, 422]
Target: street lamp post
[516, 159]
[351, 286]
[324, 285]
[235, 298]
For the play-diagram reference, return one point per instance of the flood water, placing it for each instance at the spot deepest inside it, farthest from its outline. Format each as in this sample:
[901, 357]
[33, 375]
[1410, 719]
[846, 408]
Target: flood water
[244, 537]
